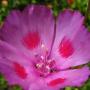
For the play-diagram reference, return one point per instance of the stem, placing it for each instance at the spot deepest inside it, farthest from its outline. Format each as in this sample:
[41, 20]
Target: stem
[33, 1]
[88, 10]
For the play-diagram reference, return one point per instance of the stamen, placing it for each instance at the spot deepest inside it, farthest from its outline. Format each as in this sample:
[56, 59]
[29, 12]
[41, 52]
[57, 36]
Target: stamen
[44, 67]
[44, 48]
[42, 57]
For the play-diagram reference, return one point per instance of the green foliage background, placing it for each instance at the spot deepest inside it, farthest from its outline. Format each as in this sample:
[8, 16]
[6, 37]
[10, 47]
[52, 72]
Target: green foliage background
[57, 6]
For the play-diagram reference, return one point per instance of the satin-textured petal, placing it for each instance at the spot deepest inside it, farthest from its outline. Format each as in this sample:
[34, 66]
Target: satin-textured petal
[15, 66]
[29, 30]
[75, 77]
[72, 42]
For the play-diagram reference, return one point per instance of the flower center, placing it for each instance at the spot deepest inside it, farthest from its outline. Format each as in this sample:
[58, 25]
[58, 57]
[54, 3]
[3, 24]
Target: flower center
[44, 67]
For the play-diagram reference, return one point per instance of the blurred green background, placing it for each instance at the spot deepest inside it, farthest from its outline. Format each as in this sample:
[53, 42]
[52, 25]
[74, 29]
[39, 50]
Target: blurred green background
[57, 6]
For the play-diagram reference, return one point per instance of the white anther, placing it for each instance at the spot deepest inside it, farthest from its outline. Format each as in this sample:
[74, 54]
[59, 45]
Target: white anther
[42, 57]
[42, 45]
[48, 67]
[39, 65]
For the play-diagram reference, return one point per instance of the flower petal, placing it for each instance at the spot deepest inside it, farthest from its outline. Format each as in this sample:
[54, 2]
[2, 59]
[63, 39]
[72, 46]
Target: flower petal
[15, 66]
[29, 29]
[12, 54]
[18, 69]
[75, 77]
[72, 42]
[40, 84]
[11, 77]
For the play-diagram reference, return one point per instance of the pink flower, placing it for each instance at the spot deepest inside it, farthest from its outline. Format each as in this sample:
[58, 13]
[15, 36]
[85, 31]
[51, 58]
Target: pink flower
[40, 54]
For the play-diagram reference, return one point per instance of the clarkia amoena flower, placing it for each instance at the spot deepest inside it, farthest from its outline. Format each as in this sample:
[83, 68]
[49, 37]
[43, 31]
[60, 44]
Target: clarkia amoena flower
[38, 52]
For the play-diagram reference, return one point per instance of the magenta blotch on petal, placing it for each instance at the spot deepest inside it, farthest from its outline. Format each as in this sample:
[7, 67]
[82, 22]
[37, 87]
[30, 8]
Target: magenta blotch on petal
[66, 48]
[31, 40]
